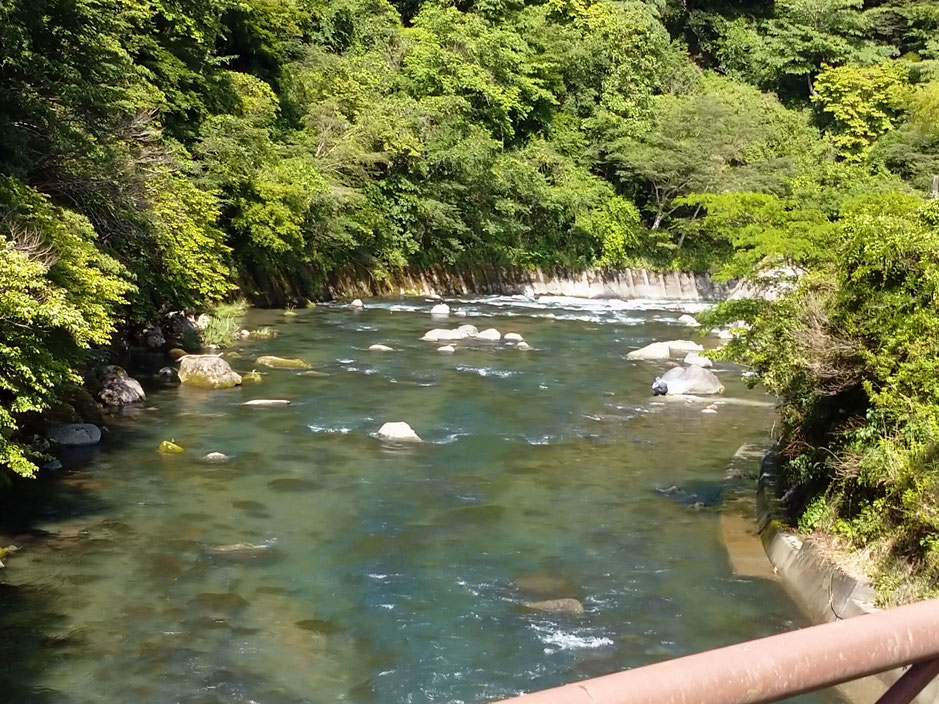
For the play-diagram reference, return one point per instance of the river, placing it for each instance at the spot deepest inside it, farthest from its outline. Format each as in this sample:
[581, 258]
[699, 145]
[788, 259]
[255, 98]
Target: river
[381, 573]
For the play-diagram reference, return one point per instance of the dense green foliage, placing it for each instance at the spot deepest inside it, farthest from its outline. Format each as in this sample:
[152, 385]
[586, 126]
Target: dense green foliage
[158, 155]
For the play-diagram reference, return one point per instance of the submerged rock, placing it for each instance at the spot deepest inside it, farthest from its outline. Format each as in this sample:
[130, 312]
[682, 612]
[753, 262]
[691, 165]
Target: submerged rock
[656, 350]
[267, 402]
[177, 353]
[490, 335]
[695, 358]
[557, 606]
[118, 388]
[170, 448]
[440, 310]
[688, 320]
[313, 372]
[269, 360]
[546, 585]
[75, 434]
[215, 458]
[398, 430]
[687, 380]
[513, 337]
[523, 346]
[238, 550]
[252, 377]
[446, 349]
[207, 371]
[380, 348]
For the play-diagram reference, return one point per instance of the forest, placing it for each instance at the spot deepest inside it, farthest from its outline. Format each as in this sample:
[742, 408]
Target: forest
[164, 155]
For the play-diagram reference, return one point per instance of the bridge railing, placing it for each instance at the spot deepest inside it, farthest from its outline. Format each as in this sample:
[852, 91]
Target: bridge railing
[778, 667]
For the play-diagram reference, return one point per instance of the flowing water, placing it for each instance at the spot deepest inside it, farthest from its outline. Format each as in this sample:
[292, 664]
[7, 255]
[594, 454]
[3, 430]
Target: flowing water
[323, 565]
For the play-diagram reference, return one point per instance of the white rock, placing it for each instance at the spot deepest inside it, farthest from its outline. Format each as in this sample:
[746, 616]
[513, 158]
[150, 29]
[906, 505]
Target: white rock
[725, 335]
[357, 303]
[695, 358]
[443, 335]
[380, 348]
[267, 402]
[215, 458]
[468, 330]
[684, 346]
[688, 320]
[460, 313]
[441, 310]
[709, 410]
[657, 350]
[398, 430]
[688, 380]
[244, 334]
[513, 337]
[491, 335]
[75, 434]
[523, 346]
[447, 348]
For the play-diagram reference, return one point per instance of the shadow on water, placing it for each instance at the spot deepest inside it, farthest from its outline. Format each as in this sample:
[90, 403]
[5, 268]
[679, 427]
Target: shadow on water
[53, 512]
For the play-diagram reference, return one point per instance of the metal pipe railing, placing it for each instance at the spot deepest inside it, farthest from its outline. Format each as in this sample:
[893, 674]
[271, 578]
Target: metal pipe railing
[774, 668]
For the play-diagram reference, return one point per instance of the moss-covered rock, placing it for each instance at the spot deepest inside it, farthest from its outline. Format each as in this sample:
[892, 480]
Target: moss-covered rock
[282, 362]
[207, 371]
[170, 448]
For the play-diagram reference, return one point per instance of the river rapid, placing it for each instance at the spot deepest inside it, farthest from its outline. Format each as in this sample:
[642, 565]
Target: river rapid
[379, 573]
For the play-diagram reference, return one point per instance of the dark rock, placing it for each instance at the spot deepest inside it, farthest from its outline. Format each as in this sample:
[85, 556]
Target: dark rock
[75, 434]
[119, 389]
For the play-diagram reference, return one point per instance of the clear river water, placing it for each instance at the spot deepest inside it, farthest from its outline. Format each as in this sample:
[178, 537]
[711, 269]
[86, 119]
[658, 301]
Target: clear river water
[376, 573]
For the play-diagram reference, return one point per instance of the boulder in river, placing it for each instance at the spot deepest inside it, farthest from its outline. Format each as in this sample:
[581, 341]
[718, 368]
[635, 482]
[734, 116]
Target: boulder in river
[468, 330]
[269, 360]
[441, 310]
[167, 376]
[118, 388]
[207, 371]
[684, 346]
[657, 350]
[490, 335]
[357, 304]
[687, 380]
[398, 431]
[557, 606]
[380, 348]
[267, 402]
[447, 349]
[75, 434]
[513, 337]
[700, 360]
[523, 346]
[215, 458]
[444, 335]
[688, 320]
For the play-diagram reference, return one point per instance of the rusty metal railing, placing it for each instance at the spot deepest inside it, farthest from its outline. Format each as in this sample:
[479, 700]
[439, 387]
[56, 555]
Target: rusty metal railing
[778, 667]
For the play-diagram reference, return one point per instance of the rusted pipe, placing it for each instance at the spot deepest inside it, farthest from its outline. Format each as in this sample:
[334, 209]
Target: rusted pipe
[905, 689]
[769, 669]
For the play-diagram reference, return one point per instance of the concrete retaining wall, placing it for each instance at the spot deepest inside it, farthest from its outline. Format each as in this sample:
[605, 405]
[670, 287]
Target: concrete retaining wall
[823, 590]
